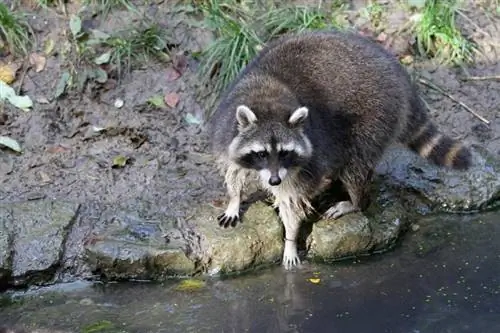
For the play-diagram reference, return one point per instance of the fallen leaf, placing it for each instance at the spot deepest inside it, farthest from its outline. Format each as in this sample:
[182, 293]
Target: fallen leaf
[119, 161]
[406, 60]
[180, 62]
[192, 120]
[7, 93]
[61, 85]
[57, 149]
[190, 285]
[100, 75]
[75, 24]
[10, 143]
[44, 177]
[103, 58]
[99, 35]
[42, 100]
[172, 74]
[157, 101]
[48, 46]
[382, 37]
[171, 99]
[7, 73]
[39, 61]
[314, 280]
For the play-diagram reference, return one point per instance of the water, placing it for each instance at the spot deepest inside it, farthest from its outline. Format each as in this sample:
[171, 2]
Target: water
[444, 277]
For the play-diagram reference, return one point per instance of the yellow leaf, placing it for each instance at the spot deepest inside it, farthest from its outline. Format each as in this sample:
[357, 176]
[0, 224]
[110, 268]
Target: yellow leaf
[48, 46]
[120, 161]
[314, 280]
[7, 73]
[190, 285]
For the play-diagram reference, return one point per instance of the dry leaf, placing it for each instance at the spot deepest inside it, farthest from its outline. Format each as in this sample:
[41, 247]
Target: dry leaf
[57, 149]
[7, 73]
[48, 46]
[44, 177]
[172, 74]
[42, 100]
[382, 37]
[314, 280]
[171, 99]
[180, 62]
[39, 61]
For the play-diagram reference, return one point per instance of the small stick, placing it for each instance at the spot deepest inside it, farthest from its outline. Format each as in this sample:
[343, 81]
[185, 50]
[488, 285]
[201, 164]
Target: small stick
[433, 86]
[481, 78]
[23, 75]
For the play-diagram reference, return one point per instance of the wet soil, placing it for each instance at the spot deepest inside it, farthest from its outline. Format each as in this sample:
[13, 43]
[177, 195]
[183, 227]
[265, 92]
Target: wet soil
[169, 169]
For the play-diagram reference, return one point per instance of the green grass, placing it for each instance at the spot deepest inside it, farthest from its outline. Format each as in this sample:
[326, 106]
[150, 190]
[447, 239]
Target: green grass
[242, 32]
[104, 7]
[137, 45]
[16, 36]
[237, 41]
[438, 36]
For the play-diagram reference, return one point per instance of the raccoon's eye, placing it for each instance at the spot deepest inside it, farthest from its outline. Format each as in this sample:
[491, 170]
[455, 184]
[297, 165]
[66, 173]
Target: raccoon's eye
[261, 154]
[284, 153]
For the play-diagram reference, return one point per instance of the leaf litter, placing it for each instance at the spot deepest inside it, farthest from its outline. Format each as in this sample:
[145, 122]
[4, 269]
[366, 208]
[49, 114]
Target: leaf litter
[10, 143]
[7, 93]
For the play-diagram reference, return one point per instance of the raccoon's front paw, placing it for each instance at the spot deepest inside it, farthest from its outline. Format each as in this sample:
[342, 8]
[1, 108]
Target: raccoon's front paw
[339, 209]
[290, 255]
[226, 220]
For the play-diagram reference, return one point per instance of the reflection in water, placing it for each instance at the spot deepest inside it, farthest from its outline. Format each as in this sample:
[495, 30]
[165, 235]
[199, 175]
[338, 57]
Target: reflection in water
[443, 278]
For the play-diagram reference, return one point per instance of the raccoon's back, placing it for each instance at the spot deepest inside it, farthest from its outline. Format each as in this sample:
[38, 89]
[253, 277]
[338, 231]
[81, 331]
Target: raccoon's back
[330, 72]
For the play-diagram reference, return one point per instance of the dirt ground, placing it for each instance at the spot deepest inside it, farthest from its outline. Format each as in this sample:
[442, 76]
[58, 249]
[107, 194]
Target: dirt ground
[65, 158]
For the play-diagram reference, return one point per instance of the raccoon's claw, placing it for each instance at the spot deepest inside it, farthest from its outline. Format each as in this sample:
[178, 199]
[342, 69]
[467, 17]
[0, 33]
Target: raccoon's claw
[226, 220]
[340, 209]
[290, 255]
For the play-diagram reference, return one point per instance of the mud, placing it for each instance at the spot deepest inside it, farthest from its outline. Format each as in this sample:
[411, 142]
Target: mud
[65, 159]
[69, 143]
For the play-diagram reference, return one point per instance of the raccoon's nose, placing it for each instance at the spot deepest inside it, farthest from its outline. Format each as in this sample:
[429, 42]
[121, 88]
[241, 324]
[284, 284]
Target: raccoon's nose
[274, 180]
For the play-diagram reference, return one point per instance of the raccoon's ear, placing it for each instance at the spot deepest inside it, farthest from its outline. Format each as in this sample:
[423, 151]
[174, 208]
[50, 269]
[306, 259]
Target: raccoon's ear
[245, 116]
[298, 116]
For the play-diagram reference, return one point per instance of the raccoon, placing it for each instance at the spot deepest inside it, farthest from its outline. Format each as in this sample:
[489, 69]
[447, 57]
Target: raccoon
[312, 108]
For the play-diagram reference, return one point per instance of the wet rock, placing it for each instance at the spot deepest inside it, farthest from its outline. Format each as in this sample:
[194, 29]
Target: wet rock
[356, 234]
[256, 241]
[131, 248]
[32, 241]
[444, 190]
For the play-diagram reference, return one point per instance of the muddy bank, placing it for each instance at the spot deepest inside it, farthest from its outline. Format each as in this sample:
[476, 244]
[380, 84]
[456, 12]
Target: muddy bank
[68, 211]
[48, 241]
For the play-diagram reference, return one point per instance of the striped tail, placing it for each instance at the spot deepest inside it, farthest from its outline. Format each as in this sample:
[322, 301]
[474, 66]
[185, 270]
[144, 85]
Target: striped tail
[442, 150]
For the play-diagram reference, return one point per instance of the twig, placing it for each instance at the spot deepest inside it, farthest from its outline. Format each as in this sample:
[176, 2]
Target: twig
[481, 78]
[23, 75]
[433, 86]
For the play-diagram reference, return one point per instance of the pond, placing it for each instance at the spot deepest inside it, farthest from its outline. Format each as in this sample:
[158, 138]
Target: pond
[443, 277]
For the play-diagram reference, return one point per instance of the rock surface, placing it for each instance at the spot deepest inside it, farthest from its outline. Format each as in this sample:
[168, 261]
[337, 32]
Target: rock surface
[445, 190]
[46, 241]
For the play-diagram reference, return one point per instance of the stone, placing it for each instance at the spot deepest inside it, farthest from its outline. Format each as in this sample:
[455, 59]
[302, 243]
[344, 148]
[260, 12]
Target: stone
[33, 237]
[445, 190]
[131, 248]
[258, 240]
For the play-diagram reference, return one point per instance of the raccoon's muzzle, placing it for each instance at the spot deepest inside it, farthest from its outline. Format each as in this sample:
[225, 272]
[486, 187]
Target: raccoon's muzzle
[274, 180]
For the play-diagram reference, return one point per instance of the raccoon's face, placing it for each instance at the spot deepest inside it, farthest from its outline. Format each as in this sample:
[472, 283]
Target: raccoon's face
[273, 148]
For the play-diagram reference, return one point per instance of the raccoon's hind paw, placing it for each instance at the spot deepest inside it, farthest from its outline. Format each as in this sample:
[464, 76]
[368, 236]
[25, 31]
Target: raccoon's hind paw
[290, 255]
[340, 209]
[226, 220]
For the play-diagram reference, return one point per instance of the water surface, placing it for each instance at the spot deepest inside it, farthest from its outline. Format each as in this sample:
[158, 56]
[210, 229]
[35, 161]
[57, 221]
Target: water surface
[443, 277]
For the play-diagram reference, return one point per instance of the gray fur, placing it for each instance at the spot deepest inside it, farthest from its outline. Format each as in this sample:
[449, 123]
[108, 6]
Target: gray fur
[355, 99]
